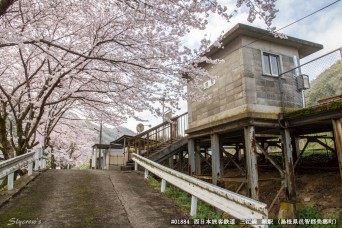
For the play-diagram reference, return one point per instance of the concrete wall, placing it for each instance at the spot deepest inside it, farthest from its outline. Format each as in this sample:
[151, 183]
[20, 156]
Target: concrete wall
[226, 96]
[241, 86]
[262, 91]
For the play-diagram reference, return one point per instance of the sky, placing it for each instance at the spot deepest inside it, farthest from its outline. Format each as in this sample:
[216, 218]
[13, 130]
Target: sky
[324, 27]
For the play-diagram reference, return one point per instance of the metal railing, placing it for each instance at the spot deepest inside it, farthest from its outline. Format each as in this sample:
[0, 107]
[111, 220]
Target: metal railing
[8, 167]
[318, 80]
[238, 206]
[162, 134]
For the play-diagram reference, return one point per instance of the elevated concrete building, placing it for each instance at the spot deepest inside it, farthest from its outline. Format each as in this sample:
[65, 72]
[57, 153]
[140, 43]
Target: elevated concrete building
[248, 81]
[254, 103]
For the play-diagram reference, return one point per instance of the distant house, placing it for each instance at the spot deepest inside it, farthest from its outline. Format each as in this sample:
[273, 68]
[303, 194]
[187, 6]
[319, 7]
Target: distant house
[110, 156]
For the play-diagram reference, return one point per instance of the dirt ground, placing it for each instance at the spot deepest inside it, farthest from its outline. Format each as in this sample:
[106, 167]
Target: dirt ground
[89, 198]
[314, 186]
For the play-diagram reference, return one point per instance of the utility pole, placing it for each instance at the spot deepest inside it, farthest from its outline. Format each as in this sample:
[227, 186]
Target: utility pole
[163, 110]
[101, 132]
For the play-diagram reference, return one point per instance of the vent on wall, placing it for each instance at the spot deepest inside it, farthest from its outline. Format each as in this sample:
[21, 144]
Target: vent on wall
[209, 83]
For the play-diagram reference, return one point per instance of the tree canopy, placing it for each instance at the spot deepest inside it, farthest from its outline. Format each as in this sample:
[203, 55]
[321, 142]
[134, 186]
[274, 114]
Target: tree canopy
[107, 59]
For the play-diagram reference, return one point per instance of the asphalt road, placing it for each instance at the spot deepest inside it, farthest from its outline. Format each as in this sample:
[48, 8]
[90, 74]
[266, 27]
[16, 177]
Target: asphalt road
[89, 198]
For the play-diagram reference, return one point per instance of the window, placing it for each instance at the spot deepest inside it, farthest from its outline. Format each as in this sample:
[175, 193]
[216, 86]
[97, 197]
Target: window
[271, 64]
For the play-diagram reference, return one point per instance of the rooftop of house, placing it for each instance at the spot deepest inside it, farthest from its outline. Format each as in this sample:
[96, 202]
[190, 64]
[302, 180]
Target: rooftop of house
[304, 47]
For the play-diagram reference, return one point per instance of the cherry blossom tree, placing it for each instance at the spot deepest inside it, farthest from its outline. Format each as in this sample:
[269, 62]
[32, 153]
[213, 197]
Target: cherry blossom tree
[70, 142]
[107, 59]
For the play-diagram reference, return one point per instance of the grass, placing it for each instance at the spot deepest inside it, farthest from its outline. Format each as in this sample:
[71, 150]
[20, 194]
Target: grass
[313, 212]
[183, 201]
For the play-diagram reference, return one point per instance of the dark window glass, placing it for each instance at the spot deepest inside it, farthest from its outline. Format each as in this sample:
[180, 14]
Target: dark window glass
[271, 64]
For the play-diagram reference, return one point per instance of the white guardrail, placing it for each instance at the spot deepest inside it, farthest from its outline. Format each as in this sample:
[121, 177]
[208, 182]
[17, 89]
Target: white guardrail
[238, 206]
[8, 167]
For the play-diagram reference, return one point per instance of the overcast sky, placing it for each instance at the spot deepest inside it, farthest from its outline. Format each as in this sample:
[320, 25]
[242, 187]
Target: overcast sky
[324, 27]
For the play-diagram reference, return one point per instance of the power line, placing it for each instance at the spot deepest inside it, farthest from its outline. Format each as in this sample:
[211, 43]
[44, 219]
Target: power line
[292, 23]
[309, 15]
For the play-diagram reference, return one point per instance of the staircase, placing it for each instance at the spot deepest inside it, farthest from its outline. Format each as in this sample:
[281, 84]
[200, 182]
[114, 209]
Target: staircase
[162, 141]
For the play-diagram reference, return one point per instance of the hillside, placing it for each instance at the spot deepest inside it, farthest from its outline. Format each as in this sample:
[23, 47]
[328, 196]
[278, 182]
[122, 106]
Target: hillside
[108, 134]
[327, 84]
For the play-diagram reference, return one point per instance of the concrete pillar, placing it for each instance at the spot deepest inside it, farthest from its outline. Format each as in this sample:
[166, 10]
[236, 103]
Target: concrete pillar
[191, 152]
[100, 159]
[193, 210]
[108, 159]
[198, 159]
[93, 161]
[215, 158]
[30, 169]
[251, 160]
[337, 125]
[288, 163]
[10, 181]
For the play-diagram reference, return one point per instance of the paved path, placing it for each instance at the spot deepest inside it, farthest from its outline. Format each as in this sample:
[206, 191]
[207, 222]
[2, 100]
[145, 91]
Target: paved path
[89, 198]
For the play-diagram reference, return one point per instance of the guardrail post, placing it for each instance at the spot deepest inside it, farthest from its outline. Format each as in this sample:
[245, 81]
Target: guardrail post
[30, 169]
[193, 210]
[146, 174]
[10, 180]
[36, 161]
[135, 166]
[163, 185]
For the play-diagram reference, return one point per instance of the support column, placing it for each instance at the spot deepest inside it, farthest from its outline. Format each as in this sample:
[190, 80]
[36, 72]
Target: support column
[251, 160]
[108, 159]
[180, 161]
[288, 160]
[295, 148]
[171, 162]
[93, 161]
[337, 125]
[238, 153]
[191, 151]
[198, 159]
[215, 158]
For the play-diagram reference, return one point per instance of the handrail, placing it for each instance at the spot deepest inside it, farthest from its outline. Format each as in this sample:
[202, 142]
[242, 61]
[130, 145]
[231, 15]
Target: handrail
[164, 133]
[238, 206]
[8, 167]
[159, 125]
